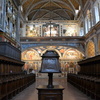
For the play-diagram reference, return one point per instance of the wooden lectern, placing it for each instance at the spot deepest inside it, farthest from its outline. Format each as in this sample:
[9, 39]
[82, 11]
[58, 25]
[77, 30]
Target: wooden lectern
[50, 64]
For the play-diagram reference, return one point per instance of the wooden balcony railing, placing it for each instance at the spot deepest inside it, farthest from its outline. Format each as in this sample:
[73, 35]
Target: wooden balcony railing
[6, 49]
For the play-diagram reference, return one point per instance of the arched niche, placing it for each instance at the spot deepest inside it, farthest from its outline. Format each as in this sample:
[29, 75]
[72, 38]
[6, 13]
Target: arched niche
[90, 49]
[30, 54]
[72, 54]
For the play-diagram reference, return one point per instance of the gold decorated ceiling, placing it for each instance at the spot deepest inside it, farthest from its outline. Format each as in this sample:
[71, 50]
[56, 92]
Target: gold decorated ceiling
[51, 9]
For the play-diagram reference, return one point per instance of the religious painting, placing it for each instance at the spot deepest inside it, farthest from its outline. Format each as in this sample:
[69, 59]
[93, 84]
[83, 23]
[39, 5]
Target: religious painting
[30, 55]
[51, 30]
[72, 54]
[32, 30]
[1, 11]
[70, 29]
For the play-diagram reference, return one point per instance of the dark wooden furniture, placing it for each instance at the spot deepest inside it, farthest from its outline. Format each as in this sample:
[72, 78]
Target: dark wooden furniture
[6, 49]
[88, 79]
[12, 79]
[55, 93]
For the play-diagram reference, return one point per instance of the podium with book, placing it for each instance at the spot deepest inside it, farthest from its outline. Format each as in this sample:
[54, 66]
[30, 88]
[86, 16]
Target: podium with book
[50, 64]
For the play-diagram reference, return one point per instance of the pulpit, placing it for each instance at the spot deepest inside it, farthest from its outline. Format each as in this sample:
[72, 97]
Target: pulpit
[50, 64]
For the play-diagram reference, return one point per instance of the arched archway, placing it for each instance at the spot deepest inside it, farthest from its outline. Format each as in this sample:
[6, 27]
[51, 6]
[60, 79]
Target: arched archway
[51, 49]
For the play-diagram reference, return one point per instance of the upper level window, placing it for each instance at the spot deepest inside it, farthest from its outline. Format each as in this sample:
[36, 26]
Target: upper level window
[88, 21]
[86, 26]
[97, 11]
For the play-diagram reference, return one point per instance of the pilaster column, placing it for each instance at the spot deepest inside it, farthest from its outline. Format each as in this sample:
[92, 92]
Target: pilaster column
[41, 33]
[59, 30]
[23, 30]
[86, 49]
[92, 14]
[96, 45]
[99, 9]
[18, 25]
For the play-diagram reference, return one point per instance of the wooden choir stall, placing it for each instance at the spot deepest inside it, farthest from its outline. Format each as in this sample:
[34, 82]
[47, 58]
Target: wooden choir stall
[12, 79]
[88, 79]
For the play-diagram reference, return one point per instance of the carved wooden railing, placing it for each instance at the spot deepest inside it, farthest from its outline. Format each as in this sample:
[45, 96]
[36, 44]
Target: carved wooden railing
[6, 49]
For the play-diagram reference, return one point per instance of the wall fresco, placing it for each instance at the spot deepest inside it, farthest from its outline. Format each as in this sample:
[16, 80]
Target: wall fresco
[32, 30]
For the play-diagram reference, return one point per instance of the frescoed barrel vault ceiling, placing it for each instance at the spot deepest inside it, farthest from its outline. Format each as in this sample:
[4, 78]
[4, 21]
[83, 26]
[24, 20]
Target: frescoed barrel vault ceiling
[65, 53]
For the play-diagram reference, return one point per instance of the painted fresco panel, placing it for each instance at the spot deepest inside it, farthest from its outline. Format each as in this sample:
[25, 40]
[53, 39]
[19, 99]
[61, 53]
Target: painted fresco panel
[32, 30]
[70, 29]
[50, 30]
[30, 55]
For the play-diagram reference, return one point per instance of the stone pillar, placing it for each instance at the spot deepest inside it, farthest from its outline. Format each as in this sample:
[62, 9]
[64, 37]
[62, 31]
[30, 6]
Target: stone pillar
[84, 24]
[86, 49]
[23, 30]
[3, 26]
[92, 14]
[59, 30]
[18, 25]
[99, 9]
[40, 32]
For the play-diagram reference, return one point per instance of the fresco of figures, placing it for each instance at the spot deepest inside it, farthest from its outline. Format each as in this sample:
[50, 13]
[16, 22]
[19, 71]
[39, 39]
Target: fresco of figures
[71, 29]
[51, 30]
[32, 30]
[68, 58]
[30, 54]
[64, 53]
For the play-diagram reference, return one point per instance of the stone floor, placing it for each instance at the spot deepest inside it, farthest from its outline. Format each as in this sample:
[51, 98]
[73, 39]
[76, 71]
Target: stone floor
[70, 92]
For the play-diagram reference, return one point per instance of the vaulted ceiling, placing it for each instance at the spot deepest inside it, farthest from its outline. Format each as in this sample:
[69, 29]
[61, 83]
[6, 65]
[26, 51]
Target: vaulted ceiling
[51, 9]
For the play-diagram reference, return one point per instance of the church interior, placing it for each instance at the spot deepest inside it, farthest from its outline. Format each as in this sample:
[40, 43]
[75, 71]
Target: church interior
[30, 28]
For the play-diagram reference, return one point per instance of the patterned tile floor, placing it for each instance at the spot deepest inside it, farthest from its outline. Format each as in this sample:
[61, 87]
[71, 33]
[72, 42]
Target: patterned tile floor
[69, 93]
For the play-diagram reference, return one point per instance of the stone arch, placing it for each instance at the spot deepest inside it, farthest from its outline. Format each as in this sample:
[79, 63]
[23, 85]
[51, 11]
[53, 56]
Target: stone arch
[51, 49]
[81, 49]
[90, 49]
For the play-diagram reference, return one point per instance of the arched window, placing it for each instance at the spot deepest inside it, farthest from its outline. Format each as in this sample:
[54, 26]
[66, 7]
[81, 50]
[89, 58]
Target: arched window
[88, 20]
[81, 30]
[97, 11]
[86, 25]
